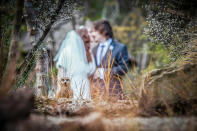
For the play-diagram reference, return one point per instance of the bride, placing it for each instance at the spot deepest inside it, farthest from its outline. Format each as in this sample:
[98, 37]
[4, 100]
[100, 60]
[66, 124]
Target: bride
[75, 62]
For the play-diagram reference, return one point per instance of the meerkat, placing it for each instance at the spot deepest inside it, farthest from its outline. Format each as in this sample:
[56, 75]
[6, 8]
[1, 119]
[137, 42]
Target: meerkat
[65, 90]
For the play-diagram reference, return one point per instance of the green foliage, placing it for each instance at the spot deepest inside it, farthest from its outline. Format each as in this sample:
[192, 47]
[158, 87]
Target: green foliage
[170, 22]
[94, 9]
[130, 31]
[23, 28]
[160, 56]
[53, 71]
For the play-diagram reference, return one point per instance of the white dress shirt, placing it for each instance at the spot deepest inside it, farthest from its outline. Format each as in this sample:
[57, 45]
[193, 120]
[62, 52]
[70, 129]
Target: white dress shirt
[105, 48]
[100, 56]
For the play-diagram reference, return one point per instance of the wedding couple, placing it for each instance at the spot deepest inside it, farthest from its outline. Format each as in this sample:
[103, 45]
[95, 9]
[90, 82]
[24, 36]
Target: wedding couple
[77, 62]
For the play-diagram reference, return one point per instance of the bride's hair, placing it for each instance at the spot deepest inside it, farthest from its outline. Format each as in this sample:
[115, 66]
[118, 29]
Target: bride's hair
[83, 32]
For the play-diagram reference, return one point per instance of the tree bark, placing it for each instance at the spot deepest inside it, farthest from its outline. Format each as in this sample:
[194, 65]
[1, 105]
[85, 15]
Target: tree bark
[10, 73]
[42, 81]
[42, 60]
[1, 50]
[28, 64]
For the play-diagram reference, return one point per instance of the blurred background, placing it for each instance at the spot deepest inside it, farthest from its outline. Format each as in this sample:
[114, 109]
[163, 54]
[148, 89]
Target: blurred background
[128, 22]
[153, 31]
[161, 37]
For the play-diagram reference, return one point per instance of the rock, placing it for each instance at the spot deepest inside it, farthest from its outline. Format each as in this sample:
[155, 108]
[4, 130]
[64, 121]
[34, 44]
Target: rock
[174, 88]
[62, 106]
[15, 113]
[33, 123]
[71, 108]
[96, 122]
[16, 105]
[92, 122]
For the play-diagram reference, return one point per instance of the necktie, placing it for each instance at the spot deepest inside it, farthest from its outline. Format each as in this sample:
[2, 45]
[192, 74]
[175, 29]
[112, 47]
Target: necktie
[101, 54]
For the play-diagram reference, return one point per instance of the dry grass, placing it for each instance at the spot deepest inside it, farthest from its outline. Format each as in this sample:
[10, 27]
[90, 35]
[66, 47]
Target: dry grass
[173, 93]
[137, 101]
[107, 105]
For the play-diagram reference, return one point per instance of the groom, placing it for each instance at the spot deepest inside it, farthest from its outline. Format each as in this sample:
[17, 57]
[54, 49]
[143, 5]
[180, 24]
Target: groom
[110, 56]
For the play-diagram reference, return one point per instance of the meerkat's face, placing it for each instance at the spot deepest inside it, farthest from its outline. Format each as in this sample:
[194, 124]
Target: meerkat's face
[65, 81]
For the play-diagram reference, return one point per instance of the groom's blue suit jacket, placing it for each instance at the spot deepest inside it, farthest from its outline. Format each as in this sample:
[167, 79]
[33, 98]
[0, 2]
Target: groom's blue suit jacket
[116, 58]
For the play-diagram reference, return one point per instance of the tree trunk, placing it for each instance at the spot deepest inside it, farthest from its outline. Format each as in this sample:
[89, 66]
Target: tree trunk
[10, 73]
[42, 81]
[1, 50]
[42, 60]
[29, 63]
[5, 19]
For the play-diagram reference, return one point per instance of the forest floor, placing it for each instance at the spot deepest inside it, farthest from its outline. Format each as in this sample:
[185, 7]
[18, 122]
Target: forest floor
[106, 115]
[22, 111]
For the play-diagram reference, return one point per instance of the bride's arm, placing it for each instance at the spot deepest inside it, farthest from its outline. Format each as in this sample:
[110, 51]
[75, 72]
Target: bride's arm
[91, 66]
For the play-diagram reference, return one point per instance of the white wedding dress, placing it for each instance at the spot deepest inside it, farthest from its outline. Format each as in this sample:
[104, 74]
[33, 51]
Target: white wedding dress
[73, 62]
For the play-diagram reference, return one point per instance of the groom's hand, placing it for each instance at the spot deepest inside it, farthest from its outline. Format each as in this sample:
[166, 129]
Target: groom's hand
[99, 73]
[96, 75]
